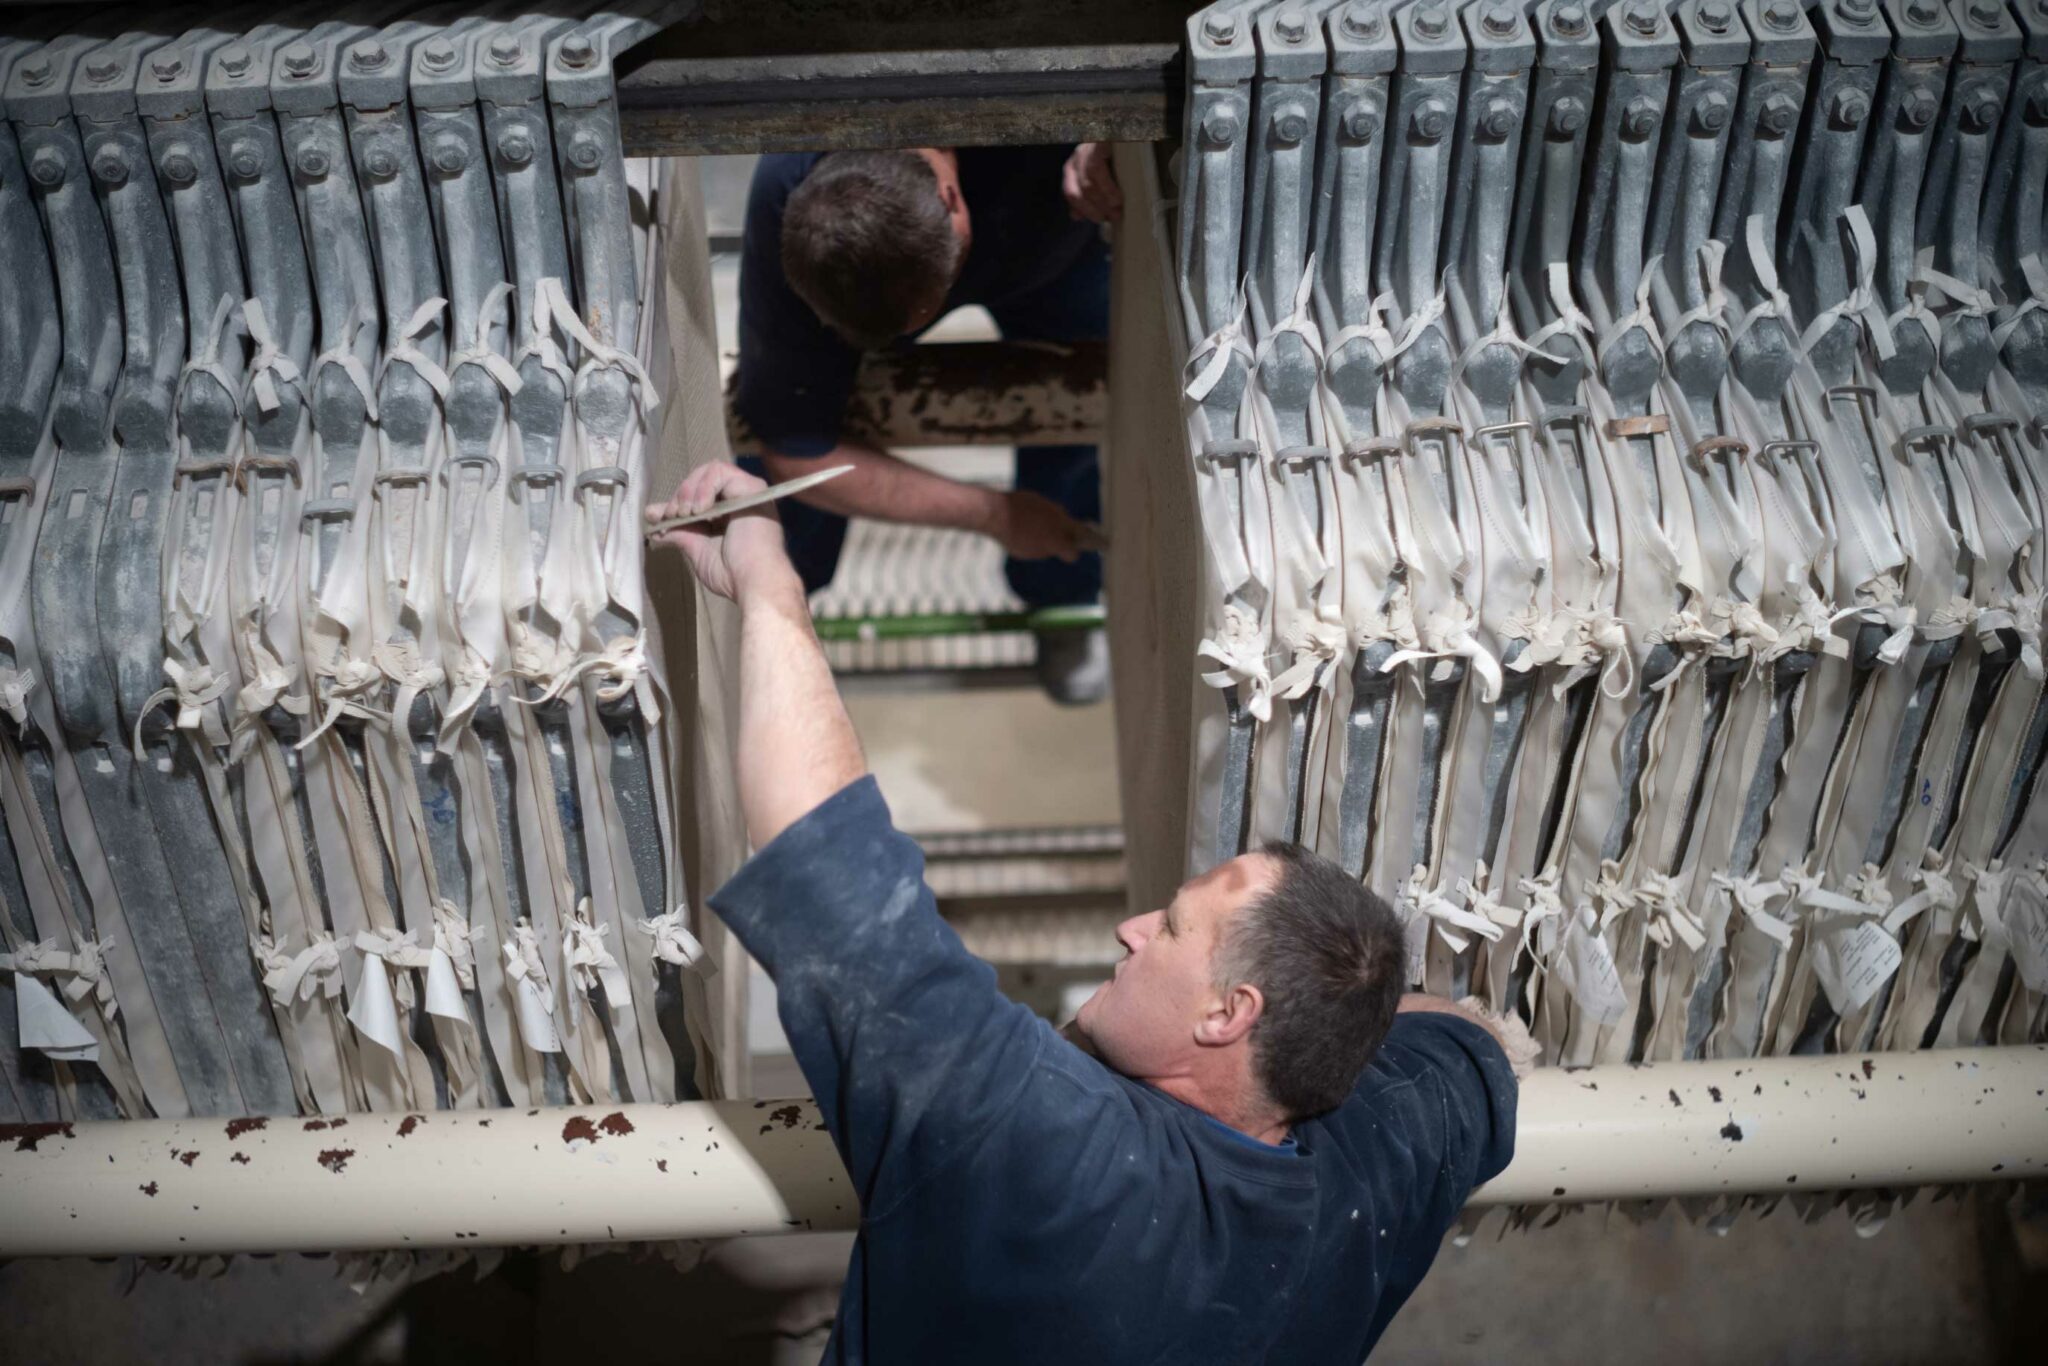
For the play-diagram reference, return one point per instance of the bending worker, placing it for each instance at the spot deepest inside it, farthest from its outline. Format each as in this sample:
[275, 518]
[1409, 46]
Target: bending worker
[854, 251]
[1248, 1147]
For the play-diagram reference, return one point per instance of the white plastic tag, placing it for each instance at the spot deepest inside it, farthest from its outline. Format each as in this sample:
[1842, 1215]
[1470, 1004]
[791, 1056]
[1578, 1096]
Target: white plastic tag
[444, 988]
[47, 1026]
[1590, 975]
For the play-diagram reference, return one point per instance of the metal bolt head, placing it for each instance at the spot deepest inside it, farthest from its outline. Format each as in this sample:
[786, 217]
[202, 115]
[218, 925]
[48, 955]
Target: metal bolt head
[1568, 116]
[1779, 114]
[177, 166]
[1918, 108]
[235, 59]
[1715, 15]
[312, 163]
[1290, 25]
[1922, 12]
[447, 154]
[110, 167]
[1290, 124]
[1639, 118]
[244, 162]
[1568, 21]
[1362, 123]
[1782, 15]
[1710, 115]
[380, 162]
[1850, 108]
[1497, 119]
[1219, 28]
[102, 69]
[1981, 108]
[1362, 20]
[504, 49]
[1500, 20]
[1431, 120]
[1431, 21]
[1986, 13]
[438, 55]
[47, 167]
[578, 50]
[515, 148]
[299, 59]
[1856, 11]
[1221, 125]
[1643, 17]
[167, 66]
[368, 55]
[37, 70]
[585, 153]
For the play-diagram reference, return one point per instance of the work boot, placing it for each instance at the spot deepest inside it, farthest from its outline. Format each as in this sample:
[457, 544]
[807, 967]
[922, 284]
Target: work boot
[1073, 666]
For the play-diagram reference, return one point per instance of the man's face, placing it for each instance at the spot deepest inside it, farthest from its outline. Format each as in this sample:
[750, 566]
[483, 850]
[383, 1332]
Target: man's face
[1143, 1020]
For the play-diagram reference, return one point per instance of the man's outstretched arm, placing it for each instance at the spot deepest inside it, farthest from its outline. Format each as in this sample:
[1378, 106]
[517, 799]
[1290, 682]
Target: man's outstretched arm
[796, 745]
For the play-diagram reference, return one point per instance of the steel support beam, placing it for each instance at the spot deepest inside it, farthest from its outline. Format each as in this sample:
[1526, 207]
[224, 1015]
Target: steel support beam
[780, 75]
[1002, 393]
[716, 1169]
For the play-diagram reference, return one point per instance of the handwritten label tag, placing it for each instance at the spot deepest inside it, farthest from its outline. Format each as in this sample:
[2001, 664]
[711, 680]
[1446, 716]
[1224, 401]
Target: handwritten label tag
[45, 1025]
[1590, 975]
[2026, 926]
[1852, 959]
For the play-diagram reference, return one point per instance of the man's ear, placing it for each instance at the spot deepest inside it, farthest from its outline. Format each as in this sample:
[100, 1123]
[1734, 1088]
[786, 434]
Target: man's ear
[1231, 1017]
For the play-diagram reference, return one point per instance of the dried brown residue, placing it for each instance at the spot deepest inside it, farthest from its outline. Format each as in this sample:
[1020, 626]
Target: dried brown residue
[189, 1158]
[242, 1158]
[661, 1163]
[408, 1124]
[26, 1136]
[334, 1159]
[615, 1124]
[1869, 1069]
[148, 1190]
[579, 1126]
[238, 1127]
[314, 1125]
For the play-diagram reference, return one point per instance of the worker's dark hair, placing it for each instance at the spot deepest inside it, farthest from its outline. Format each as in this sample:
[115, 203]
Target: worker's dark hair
[866, 242]
[1327, 955]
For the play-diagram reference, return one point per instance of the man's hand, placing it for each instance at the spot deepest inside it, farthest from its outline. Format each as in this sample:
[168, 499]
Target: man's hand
[1089, 181]
[1033, 527]
[731, 556]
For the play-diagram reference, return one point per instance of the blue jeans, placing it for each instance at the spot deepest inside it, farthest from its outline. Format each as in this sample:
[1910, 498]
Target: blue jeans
[1074, 307]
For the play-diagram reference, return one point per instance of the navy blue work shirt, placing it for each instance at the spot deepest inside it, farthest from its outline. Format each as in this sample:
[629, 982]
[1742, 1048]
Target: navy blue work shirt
[796, 374]
[1021, 1202]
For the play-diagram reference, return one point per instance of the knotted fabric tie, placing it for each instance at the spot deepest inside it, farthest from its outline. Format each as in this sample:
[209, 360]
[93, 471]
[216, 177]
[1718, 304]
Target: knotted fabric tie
[1238, 648]
[82, 971]
[1669, 915]
[342, 355]
[1862, 298]
[15, 686]
[207, 360]
[452, 938]
[296, 977]
[347, 681]
[673, 942]
[1546, 908]
[1448, 632]
[1321, 643]
[1638, 316]
[1937, 892]
[195, 688]
[270, 364]
[1754, 895]
[596, 354]
[1219, 346]
[1713, 307]
[2036, 275]
[589, 961]
[1775, 303]
[1299, 321]
[1570, 318]
[1987, 895]
[405, 351]
[1450, 918]
[479, 351]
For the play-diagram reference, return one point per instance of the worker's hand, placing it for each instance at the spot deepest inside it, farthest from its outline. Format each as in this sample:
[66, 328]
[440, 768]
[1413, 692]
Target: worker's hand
[1033, 527]
[734, 555]
[1090, 184]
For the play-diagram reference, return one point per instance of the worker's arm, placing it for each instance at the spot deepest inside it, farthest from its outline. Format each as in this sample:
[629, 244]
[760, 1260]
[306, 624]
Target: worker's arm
[909, 1048]
[885, 488]
[1510, 1033]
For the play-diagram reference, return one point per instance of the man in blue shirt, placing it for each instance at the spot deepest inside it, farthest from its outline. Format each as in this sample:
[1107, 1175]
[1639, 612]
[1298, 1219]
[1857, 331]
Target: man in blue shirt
[1251, 1156]
[852, 251]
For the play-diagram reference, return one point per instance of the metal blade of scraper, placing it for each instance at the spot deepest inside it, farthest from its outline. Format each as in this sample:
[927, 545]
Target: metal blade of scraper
[729, 507]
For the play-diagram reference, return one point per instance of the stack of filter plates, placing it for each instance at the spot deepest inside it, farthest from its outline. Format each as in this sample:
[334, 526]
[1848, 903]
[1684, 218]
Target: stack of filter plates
[334, 772]
[1618, 435]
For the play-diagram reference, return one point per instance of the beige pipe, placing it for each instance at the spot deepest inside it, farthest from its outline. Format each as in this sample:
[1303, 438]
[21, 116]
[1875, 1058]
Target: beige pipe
[727, 1168]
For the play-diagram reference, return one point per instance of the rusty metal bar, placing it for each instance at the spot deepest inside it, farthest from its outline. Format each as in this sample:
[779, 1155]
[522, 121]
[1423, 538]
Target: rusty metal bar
[1002, 393]
[715, 1169]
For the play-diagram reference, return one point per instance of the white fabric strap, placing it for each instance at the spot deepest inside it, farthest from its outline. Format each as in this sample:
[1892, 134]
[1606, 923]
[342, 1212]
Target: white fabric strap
[270, 364]
[1638, 316]
[1663, 898]
[1238, 649]
[342, 355]
[403, 350]
[15, 686]
[207, 361]
[1448, 916]
[1300, 321]
[1570, 319]
[1219, 346]
[1713, 307]
[83, 969]
[298, 977]
[1775, 303]
[673, 942]
[2035, 273]
[480, 352]
[595, 353]
[1413, 326]
[1862, 297]
[1754, 895]
[540, 335]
